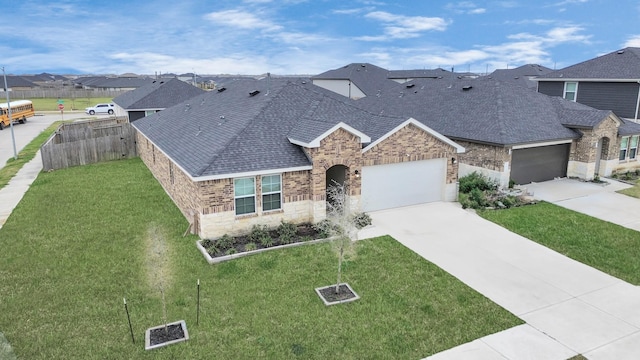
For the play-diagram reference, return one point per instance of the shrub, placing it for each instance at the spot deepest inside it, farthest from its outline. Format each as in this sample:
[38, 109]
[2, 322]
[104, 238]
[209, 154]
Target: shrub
[231, 251]
[207, 243]
[250, 246]
[464, 200]
[478, 198]
[225, 242]
[361, 220]
[258, 232]
[266, 240]
[306, 238]
[325, 228]
[286, 232]
[478, 181]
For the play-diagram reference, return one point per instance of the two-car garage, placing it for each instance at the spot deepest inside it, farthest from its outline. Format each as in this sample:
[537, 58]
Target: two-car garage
[402, 184]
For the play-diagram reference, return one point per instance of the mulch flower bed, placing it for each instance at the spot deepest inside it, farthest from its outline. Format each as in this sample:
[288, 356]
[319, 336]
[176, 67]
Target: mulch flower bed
[260, 238]
[160, 336]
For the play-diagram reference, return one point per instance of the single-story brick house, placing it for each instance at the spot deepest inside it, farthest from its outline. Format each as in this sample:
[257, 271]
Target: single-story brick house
[262, 151]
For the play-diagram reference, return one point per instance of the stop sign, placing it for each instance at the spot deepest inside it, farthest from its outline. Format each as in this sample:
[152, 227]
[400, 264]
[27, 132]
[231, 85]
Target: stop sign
[61, 106]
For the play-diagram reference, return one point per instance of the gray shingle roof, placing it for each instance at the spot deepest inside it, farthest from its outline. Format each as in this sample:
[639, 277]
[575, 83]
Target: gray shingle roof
[620, 64]
[157, 95]
[628, 128]
[488, 111]
[367, 77]
[417, 74]
[521, 75]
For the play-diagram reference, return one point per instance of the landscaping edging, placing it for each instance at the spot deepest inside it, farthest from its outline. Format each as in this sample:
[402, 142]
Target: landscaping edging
[219, 259]
[147, 336]
[343, 286]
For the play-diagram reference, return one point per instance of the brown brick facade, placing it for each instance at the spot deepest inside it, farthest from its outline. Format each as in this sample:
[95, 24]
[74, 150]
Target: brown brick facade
[412, 144]
[485, 156]
[339, 148]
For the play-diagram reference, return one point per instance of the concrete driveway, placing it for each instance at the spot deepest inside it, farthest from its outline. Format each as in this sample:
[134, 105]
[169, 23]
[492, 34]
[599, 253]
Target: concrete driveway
[597, 200]
[569, 308]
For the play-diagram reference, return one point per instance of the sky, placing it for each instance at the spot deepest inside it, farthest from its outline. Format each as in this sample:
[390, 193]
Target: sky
[307, 37]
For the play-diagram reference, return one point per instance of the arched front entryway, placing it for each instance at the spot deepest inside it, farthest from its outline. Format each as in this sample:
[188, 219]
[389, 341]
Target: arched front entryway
[601, 153]
[335, 175]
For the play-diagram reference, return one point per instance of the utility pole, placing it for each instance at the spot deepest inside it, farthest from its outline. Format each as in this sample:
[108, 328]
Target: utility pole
[13, 139]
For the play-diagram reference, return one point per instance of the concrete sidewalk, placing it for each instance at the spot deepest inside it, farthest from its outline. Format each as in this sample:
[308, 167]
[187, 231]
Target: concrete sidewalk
[569, 308]
[597, 200]
[11, 194]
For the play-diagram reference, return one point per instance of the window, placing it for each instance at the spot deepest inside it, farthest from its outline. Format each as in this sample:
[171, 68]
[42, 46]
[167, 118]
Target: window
[245, 195]
[271, 192]
[628, 148]
[623, 147]
[633, 147]
[570, 90]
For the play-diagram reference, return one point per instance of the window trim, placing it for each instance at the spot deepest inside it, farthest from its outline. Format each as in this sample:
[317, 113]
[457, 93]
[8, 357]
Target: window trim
[236, 197]
[631, 147]
[575, 91]
[263, 193]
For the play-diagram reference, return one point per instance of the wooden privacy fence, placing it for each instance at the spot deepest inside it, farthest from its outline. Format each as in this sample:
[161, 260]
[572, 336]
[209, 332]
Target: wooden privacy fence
[87, 142]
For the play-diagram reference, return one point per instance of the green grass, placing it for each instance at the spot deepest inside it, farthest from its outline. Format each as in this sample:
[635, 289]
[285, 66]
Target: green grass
[51, 104]
[632, 191]
[78, 243]
[608, 247]
[12, 165]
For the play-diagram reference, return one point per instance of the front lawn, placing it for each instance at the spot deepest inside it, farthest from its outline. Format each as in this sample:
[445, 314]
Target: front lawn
[608, 247]
[632, 191]
[82, 239]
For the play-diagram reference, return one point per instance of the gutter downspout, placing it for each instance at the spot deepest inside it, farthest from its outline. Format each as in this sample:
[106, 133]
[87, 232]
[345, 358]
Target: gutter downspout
[637, 103]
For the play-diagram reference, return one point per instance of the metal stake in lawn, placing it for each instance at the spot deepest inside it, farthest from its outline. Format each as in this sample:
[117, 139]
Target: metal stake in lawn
[6, 90]
[129, 319]
[198, 307]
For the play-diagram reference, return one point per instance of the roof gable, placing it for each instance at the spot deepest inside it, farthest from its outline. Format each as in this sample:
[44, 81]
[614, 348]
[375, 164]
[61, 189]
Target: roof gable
[419, 125]
[297, 136]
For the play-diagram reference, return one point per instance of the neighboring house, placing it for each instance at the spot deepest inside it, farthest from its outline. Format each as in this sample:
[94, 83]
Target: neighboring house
[47, 80]
[264, 151]
[355, 80]
[524, 75]
[510, 132]
[18, 83]
[111, 83]
[153, 97]
[608, 82]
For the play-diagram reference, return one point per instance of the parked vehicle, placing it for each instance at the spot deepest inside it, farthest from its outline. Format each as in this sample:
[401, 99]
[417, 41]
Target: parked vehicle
[20, 111]
[100, 109]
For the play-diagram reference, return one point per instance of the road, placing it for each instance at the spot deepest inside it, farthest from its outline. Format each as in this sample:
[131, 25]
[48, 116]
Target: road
[24, 133]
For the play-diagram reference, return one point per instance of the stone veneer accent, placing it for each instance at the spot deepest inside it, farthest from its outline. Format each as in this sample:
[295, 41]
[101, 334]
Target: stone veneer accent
[584, 151]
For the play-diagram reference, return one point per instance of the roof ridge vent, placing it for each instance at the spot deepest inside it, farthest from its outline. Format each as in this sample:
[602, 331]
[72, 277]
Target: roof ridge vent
[621, 51]
[410, 86]
[222, 89]
[467, 87]
[254, 92]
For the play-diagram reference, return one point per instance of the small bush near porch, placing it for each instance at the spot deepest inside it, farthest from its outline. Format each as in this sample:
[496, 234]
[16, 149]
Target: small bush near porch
[75, 246]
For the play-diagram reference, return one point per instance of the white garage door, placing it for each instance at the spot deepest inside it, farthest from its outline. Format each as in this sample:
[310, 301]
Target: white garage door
[402, 184]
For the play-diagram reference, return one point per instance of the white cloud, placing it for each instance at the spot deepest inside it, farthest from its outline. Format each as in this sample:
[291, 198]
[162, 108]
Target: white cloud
[633, 41]
[569, 2]
[241, 19]
[465, 7]
[404, 27]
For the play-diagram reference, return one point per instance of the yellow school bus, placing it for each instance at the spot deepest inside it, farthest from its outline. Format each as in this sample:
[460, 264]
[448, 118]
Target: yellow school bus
[20, 111]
